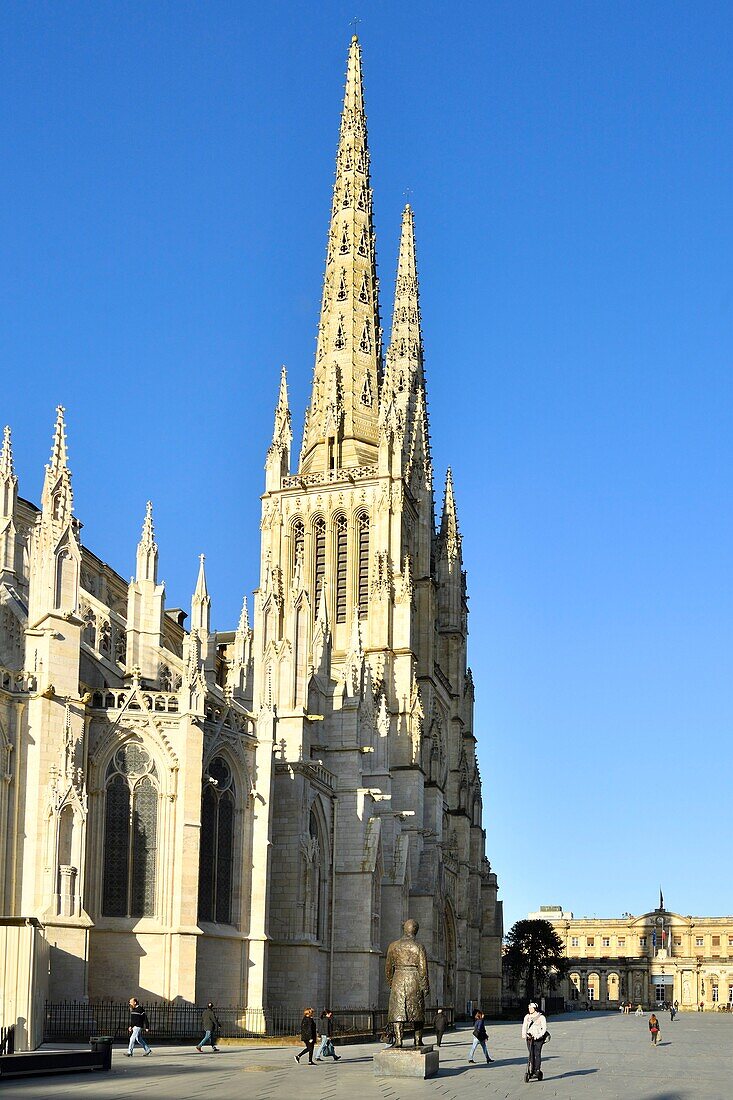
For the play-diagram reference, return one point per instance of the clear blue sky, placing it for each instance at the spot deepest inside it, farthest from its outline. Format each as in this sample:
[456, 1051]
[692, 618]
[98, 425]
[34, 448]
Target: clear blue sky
[164, 202]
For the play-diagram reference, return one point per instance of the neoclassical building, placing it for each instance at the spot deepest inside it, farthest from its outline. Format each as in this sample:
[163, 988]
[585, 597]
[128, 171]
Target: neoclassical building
[658, 956]
[249, 815]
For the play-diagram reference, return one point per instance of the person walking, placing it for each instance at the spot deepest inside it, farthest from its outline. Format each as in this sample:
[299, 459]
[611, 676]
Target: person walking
[479, 1038]
[211, 1026]
[441, 1024]
[672, 1013]
[308, 1035]
[654, 1029]
[326, 1048]
[534, 1031]
[138, 1025]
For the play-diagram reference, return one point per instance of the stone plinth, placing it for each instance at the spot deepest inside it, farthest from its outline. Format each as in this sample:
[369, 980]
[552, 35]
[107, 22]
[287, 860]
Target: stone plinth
[418, 1062]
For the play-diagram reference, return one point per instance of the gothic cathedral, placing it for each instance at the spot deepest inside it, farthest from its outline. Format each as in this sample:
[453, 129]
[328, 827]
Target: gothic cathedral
[248, 816]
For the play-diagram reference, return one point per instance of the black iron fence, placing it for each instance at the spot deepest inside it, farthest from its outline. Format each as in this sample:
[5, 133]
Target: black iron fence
[7, 1039]
[75, 1021]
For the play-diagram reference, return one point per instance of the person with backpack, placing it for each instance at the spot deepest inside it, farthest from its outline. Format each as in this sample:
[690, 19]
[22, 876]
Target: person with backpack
[479, 1038]
[211, 1026]
[654, 1029]
[138, 1025]
[534, 1031]
[326, 1048]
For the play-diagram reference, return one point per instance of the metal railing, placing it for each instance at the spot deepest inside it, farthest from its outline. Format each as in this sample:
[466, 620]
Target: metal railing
[75, 1021]
[7, 1039]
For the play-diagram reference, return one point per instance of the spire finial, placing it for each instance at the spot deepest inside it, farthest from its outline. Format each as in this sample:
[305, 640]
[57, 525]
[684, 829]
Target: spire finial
[243, 626]
[7, 469]
[201, 604]
[59, 456]
[57, 497]
[282, 433]
[147, 550]
[147, 537]
[349, 334]
[449, 531]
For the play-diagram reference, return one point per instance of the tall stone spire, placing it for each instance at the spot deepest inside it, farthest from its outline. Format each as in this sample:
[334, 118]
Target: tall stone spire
[341, 425]
[147, 549]
[404, 378]
[57, 499]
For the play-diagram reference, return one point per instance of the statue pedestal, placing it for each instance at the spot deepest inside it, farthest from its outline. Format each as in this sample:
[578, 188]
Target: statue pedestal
[420, 1062]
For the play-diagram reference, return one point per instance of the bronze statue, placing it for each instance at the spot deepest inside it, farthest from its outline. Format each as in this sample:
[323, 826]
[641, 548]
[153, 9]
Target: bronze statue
[407, 975]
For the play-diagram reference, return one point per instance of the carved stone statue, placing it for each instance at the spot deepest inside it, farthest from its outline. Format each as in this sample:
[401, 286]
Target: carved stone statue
[407, 975]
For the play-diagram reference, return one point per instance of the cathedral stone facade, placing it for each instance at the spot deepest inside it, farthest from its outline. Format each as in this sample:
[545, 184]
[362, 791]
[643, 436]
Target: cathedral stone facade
[249, 815]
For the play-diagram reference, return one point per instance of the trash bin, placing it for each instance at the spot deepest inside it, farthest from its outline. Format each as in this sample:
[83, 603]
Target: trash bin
[102, 1044]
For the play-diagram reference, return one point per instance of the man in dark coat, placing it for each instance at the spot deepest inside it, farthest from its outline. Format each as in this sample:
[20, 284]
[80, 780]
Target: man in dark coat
[440, 1025]
[211, 1026]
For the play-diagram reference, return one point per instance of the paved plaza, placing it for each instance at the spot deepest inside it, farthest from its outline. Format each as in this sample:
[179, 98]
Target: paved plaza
[600, 1055]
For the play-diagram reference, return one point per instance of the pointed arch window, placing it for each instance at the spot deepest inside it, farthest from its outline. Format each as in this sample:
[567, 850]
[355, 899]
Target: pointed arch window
[363, 248]
[319, 560]
[364, 290]
[346, 201]
[313, 900]
[216, 854]
[344, 247]
[363, 565]
[341, 567]
[362, 200]
[298, 543]
[130, 833]
[340, 341]
[342, 290]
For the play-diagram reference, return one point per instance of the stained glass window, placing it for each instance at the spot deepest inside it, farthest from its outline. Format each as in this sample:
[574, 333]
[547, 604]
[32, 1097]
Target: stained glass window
[130, 833]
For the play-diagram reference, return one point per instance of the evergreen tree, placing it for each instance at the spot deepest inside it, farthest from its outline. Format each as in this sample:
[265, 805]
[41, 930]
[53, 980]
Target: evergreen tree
[535, 956]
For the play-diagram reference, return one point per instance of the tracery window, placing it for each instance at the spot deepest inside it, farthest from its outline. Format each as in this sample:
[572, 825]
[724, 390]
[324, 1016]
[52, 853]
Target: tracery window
[105, 638]
[89, 633]
[363, 565]
[319, 560]
[130, 833]
[216, 854]
[340, 341]
[341, 570]
[363, 248]
[342, 291]
[120, 645]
